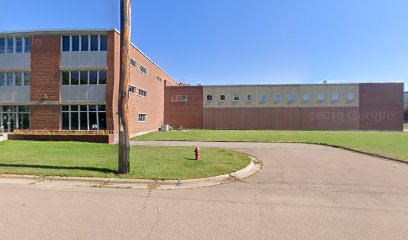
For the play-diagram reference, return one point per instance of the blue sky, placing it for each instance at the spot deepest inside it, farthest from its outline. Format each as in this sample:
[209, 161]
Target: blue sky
[246, 42]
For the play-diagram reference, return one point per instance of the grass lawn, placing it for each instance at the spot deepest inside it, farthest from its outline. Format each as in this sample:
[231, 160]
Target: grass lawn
[100, 160]
[390, 144]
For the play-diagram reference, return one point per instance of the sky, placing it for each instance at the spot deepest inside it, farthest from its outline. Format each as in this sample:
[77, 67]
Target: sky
[246, 42]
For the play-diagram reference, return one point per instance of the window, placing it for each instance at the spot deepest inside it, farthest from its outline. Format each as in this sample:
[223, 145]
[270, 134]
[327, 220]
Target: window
[209, 98]
[83, 117]
[94, 43]
[75, 43]
[142, 117]
[2, 79]
[264, 98]
[10, 45]
[66, 43]
[84, 43]
[93, 77]
[19, 116]
[132, 62]
[250, 97]
[18, 78]
[27, 45]
[143, 69]
[142, 93]
[321, 97]
[235, 98]
[65, 78]
[27, 79]
[9, 79]
[158, 79]
[132, 89]
[104, 42]
[74, 78]
[2, 45]
[179, 98]
[19, 45]
[306, 97]
[336, 96]
[350, 96]
[83, 79]
[223, 97]
[292, 97]
[278, 98]
[102, 77]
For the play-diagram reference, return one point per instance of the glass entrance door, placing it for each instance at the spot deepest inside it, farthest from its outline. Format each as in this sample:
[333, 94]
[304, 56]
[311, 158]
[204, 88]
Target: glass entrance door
[9, 122]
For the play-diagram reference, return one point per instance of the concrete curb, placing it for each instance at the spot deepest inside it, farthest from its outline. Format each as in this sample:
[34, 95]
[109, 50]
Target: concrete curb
[252, 168]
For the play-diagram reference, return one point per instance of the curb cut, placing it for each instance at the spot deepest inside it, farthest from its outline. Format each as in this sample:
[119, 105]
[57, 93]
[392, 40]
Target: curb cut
[253, 167]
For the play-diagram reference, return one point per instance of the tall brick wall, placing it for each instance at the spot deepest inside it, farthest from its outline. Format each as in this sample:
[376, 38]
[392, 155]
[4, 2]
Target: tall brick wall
[381, 106]
[112, 85]
[45, 79]
[184, 114]
[152, 105]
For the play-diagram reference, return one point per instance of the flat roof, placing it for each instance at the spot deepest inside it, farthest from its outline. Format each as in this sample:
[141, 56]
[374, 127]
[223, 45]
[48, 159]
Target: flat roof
[291, 85]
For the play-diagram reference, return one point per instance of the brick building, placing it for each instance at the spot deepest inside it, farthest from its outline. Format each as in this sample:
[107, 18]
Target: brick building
[68, 80]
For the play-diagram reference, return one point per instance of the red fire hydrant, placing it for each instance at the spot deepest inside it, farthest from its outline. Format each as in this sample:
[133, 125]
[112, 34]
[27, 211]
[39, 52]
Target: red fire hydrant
[197, 153]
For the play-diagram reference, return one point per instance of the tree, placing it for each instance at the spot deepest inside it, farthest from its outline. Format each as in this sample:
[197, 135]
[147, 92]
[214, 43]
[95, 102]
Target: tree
[123, 114]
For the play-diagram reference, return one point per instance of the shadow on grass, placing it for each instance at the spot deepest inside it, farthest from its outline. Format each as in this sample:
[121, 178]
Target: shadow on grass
[92, 169]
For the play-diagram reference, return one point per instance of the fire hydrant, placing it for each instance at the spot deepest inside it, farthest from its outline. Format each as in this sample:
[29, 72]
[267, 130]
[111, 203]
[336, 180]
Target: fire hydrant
[197, 153]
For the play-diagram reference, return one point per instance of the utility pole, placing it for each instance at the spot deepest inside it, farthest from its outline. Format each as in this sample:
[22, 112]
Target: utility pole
[124, 141]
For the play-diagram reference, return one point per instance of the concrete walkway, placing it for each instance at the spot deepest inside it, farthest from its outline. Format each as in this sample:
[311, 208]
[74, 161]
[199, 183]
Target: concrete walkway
[303, 192]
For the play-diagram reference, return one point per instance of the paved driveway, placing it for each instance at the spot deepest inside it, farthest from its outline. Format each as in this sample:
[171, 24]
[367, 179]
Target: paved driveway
[303, 192]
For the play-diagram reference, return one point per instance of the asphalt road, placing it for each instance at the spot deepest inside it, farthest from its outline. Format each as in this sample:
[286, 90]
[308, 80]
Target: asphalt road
[303, 192]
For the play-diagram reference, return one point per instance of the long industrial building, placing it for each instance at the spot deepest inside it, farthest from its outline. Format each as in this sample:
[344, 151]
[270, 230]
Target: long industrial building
[69, 79]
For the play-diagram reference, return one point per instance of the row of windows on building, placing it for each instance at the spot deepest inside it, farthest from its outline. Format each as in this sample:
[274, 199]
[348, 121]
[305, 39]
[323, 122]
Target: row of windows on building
[291, 97]
[14, 117]
[83, 77]
[139, 66]
[15, 45]
[83, 117]
[13, 79]
[138, 91]
[84, 43]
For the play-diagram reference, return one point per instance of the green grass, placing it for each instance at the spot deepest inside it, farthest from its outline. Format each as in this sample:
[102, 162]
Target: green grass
[389, 144]
[100, 160]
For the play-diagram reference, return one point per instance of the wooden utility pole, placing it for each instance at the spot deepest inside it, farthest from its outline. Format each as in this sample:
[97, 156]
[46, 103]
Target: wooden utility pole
[124, 141]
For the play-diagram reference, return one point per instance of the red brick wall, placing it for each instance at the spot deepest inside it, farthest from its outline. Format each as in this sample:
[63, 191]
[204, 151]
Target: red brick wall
[152, 105]
[45, 117]
[281, 118]
[186, 114]
[45, 79]
[381, 106]
[112, 87]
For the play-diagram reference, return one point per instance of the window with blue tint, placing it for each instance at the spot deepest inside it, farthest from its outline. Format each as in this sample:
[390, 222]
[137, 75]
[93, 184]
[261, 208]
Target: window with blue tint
[102, 77]
[350, 96]
[2, 45]
[321, 97]
[94, 43]
[19, 78]
[93, 77]
[250, 97]
[264, 98]
[27, 45]
[66, 42]
[19, 45]
[292, 97]
[278, 98]
[27, 79]
[104, 42]
[74, 78]
[336, 96]
[85, 43]
[9, 79]
[2, 79]
[75, 43]
[10, 45]
[143, 69]
[84, 78]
